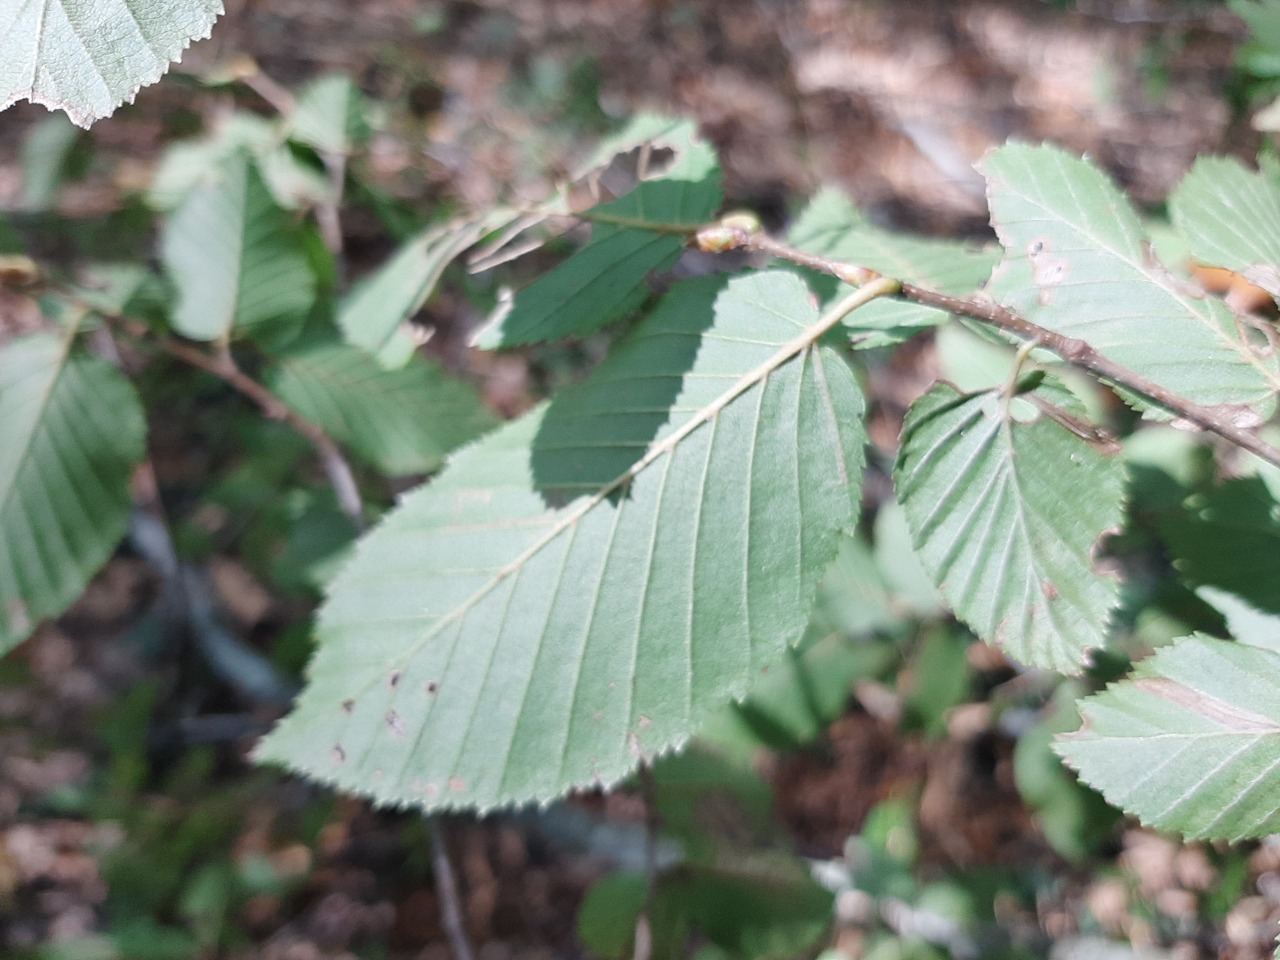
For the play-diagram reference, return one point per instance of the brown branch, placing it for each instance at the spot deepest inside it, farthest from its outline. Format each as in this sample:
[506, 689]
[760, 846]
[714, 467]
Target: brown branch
[1216, 420]
[223, 366]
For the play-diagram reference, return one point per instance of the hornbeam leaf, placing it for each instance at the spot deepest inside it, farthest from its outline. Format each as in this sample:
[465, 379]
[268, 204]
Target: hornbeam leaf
[330, 115]
[1076, 261]
[605, 279]
[1190, 742]
[72, 432]
[404, 420]
[236, 259]
[1231, 216]
[1006, 508]
[833, 227]
[584, 587]
[89, 56]
[373, 314]
[1229, 537]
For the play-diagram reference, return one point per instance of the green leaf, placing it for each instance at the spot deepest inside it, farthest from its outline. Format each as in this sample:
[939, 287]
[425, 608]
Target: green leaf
[46, 150]
[832, 226]
[607, 919]
[1077, 262]
[1074, 819]
[330, 115]
[87, 58]
[72, 432]
[587, 585]
[1231, 216]
[1190, 742]
[605, 279]
[188, 163]
[237, 260]
[372, 315]
[1246, 622]
[402, 421]
[1007, 508]
[1229, 537]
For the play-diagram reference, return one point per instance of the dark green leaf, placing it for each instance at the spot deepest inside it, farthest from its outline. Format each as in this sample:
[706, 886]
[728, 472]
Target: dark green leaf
[605, 279]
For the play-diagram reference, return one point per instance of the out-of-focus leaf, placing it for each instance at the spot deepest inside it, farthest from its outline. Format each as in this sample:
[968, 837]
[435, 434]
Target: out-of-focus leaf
[1191, 742]
[44, 158]
[88, 58]
[833, 227]
[912, 590]
[1075, 819]
[1232, 218]
[1076, 262]
[768, 909]
[1246, 623]
[1229, 537]
[330, 115]
[372, 315]
[1007, 508]
[72, 432]
[661, 530]
[605, 279]
[937, 678]
[189, 163]
[403, 421]
[607, 918]
[236, 259]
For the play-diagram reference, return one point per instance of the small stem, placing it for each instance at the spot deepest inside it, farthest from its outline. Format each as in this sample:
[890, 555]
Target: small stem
[447, 891]
[643, 946]
[329, 213]
[1080, 354]
[335, 464]
[1074, 351]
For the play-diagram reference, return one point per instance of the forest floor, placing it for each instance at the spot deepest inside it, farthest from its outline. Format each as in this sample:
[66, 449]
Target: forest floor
[117, 783]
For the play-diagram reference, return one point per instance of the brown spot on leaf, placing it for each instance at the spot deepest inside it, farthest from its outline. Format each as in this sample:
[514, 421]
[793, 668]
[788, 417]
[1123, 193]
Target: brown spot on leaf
[338, 755]
[1049, 589]
[393, 678]
[432, 686]
[348, 705]
[457, 784]
[1234, 718]
[394, 723]
[644, 723]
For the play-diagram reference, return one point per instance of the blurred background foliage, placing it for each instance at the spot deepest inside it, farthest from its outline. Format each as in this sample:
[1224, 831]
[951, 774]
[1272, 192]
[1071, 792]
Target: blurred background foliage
[888, 791]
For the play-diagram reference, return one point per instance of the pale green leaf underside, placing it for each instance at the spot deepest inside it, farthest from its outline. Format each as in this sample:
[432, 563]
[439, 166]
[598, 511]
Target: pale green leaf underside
[1190, 742]
[89, 56]
[1006, 515]
[605, 279]
[587, 585]
[833, 227]
[71, 432]
[235, 258]
[1077, 262]
[330, 115]
[1231, 217]
[403, 421]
